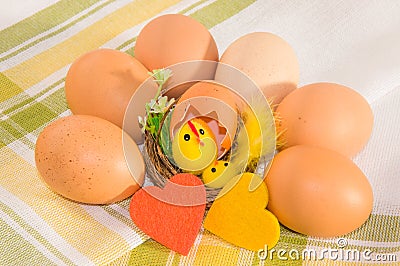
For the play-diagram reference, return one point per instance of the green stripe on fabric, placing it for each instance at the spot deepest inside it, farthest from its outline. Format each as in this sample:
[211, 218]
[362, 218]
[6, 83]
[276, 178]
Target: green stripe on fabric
[8, 88]
[33, 117]
[29, 100]
[34, 233]
[131, 51]
[29, 144]
[8, 133]
[192, 6]
[376, 229]
[20, 123]
[127, 43]
[289, 240]
[55, 32]
[23, 253]
[56, 101]
[118, 215]
[124, 204]
[219, 11]
[149, 253]
[358, 248]
[41, 22]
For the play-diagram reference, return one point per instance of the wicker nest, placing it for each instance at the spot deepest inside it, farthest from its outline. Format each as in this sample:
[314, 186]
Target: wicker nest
[158, 166]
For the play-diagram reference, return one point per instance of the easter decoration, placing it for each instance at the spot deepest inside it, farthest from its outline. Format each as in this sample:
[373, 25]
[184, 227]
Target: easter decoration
[215, 137]
[174, 225]
[195, 138]
[241, 218]
[193, 147]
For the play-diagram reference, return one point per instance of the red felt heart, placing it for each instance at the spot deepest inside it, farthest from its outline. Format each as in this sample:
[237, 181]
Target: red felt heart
[172, 216]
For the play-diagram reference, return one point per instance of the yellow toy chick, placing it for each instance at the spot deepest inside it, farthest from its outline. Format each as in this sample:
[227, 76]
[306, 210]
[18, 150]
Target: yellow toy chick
[214, 171]
[194, 146]
[259, 125]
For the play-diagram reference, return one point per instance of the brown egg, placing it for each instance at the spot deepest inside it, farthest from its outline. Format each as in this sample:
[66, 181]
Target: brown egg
[101, 83]
[267, 59]
[318, 192]
[174, 38]
[326, 115]
[81, 158]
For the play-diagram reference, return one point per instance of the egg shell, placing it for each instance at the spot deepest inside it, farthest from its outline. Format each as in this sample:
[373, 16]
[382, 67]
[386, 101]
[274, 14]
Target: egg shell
[82, 158]
[215, 102]
[326, 115]
[174, 38]
[318, 192]
[184, 75]
[101, 83]
[267, 59]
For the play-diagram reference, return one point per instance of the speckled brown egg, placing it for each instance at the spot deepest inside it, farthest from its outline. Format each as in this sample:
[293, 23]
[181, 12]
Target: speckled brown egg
[81, 158]
[172, 39]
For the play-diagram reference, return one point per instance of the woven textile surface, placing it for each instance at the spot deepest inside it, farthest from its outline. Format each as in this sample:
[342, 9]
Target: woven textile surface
[354, 43]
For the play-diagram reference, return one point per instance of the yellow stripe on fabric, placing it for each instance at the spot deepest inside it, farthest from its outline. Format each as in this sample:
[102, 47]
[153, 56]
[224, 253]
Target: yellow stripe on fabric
[213, 250]
[215, 255]
[67, 218]
[8, 88]
[45, 63]
[149, 253]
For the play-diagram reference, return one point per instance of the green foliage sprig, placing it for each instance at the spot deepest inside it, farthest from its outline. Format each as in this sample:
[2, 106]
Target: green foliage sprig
[156, 108]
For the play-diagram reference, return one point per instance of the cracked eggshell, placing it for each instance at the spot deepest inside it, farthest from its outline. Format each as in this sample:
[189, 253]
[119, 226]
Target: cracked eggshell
[82, 158]
[215, 104]
[184, 75]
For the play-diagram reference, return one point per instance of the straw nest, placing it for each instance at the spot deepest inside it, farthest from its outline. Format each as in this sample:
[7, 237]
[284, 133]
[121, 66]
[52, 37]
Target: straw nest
[159, 167]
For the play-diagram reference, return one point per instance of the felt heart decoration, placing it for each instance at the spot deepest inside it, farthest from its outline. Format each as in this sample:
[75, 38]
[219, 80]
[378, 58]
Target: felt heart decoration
[173, 215]
[240, 217]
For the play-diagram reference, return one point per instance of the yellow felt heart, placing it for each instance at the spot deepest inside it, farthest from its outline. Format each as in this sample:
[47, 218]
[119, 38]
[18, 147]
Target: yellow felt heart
[240, 217]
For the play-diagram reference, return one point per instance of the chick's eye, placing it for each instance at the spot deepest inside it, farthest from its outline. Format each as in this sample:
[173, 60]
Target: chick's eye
[213, 170]
[186, 137]
[201, 131]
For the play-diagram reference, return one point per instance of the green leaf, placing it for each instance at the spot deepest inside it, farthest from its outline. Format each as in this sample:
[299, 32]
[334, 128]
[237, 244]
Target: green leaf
[165, 138]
